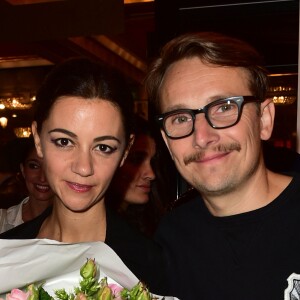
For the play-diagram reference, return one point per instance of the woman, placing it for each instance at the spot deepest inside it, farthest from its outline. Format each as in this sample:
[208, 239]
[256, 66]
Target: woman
[82, 130]
[39, 192]
[132, 191]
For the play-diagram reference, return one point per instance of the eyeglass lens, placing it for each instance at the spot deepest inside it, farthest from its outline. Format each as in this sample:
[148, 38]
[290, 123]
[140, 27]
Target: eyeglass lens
[221, 114]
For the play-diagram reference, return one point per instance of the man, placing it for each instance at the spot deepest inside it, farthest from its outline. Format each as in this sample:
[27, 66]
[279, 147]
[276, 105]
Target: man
[238, 239]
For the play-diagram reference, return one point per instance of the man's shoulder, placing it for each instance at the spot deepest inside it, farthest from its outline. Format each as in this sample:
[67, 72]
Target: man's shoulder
[187, 201]
[293, 188]
[187, 208]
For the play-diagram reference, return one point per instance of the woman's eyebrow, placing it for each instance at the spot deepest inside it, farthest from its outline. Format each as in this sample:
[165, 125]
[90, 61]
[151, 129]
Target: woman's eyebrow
[73, 135]
[65, 131]
[107, 137]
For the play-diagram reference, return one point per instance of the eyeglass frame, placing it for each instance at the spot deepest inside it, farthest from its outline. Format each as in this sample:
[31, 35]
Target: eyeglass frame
[239, 100]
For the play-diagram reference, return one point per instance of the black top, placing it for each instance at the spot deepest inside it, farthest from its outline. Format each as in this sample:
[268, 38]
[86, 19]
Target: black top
[242, 257]
[141, 255]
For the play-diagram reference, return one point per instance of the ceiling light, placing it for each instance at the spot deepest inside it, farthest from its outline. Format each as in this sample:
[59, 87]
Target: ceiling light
[14, 103]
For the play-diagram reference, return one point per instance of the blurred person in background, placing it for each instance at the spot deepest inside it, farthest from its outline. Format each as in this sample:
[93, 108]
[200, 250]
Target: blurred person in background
[12, 187]
[31, 174]
[134, 192]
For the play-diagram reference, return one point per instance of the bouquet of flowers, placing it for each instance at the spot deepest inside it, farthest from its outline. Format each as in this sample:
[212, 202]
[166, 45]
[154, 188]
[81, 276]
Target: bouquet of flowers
[49, 270]
[89, 288]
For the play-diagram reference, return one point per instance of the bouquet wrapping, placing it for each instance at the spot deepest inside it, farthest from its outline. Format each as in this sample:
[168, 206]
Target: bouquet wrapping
[57, 265]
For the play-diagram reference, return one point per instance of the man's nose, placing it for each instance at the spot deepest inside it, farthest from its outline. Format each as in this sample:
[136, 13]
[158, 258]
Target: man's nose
[203, 133]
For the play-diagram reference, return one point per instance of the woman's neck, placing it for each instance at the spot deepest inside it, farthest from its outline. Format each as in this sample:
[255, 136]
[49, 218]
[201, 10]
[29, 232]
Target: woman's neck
[68, 226]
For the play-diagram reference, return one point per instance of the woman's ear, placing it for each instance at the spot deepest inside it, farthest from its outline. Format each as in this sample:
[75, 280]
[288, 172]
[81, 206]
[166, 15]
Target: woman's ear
[267, 118]
[37, 140]
[131, 141]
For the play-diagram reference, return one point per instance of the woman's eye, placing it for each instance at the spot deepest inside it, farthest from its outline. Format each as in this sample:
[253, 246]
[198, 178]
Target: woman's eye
[63, 142]
[106, 149]
[137, 158]
[32, 165]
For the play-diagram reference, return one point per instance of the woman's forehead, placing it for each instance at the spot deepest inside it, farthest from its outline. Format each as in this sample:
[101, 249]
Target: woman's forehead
[75, 113]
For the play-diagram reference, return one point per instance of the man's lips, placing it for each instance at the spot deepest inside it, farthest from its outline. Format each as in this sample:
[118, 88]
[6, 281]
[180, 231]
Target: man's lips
[80, 188]
[205, 157]
[215, 153]
[208, 158]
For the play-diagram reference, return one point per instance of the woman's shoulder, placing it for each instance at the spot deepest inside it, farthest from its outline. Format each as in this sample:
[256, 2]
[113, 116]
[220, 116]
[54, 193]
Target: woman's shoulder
[27, 230]
[16, 211]
[3, 219]
[12, 216]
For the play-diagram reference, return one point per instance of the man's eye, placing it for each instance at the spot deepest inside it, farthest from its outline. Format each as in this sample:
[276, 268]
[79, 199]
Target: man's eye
[179, 119]
[226, 107]
[63, 142]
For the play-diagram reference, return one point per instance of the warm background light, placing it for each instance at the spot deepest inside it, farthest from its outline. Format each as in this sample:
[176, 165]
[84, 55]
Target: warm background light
[22, 132]
[3, 122]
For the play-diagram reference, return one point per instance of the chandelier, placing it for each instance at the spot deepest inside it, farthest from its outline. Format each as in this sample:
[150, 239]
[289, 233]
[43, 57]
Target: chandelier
[283, 88]
[22, 132]
[13, 103]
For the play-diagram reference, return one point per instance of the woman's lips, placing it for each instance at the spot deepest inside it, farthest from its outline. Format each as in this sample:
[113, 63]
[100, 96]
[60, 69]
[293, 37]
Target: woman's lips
[80, 188]
[146, 188]
[42, 188]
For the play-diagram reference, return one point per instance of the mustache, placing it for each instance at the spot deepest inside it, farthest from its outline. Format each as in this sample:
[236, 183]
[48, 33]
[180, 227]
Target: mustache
[220, 148]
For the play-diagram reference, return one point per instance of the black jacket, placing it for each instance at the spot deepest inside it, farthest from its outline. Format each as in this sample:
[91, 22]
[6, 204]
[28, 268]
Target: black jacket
[140, 254]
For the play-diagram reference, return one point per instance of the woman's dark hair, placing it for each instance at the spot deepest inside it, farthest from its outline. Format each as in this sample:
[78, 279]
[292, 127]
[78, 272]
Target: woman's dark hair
[211, 48]
[82, 77]
[15, 152]
[143, 126]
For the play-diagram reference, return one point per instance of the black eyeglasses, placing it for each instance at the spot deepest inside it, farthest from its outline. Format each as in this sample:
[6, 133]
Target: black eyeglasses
[222, 113]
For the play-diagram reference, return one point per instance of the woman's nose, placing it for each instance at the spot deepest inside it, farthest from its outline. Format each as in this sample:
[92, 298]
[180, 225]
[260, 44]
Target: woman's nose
[149, 173]
[42, 176]
[83, 164]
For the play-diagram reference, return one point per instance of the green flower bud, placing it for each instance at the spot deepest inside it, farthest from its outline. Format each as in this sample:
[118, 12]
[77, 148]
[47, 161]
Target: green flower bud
[106, 294]
[140, 292]
[34, 292]
[144, 295]
[89, 269]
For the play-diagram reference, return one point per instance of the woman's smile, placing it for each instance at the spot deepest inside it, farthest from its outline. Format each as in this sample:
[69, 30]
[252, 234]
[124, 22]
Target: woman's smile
[80, 188]
[42, 188]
